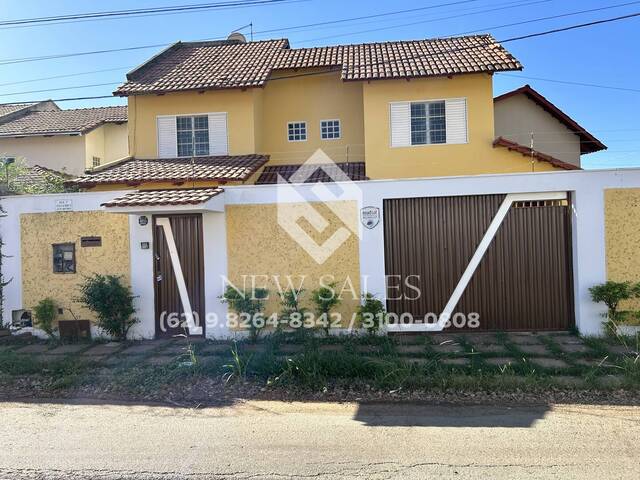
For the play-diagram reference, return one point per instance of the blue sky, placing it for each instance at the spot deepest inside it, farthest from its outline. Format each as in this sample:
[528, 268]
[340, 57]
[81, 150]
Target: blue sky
[604, 55]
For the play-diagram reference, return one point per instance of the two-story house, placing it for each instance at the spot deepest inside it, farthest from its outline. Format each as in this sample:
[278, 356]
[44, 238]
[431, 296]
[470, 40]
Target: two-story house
[181, 217]
[208, 113]
[70, 141]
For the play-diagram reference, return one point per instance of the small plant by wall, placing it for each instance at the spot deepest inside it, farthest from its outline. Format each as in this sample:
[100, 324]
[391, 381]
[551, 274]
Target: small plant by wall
[291, 308]
[371, 313]
[249, 306]
[46, 312]
[611, 294]
[325, 299]
[111, 301]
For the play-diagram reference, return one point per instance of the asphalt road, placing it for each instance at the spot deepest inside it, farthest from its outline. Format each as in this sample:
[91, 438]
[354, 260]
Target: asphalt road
[273, 440]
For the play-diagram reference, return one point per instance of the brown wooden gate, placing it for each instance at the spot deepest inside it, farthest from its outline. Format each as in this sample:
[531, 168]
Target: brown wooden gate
[522, 283]
[187, 235]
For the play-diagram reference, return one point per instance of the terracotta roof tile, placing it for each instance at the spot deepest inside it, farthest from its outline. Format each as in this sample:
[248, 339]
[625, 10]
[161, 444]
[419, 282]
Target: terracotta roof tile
[312, 173]
[37, 177]
[526, 151]
[8, 108]
[136, 171]
[76, 121]
[154, 198]
[229, 64]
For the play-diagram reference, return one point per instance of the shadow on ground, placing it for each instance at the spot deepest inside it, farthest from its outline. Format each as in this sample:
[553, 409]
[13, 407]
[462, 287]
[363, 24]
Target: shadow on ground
[463, 416]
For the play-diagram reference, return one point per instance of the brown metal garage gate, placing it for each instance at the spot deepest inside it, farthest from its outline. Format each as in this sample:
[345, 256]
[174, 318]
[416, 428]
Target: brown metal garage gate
[522, 283]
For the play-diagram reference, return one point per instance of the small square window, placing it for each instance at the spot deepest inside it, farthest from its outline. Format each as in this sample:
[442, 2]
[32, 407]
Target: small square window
[64, 258]
[330, 129]
[96, 161]
[297, 131]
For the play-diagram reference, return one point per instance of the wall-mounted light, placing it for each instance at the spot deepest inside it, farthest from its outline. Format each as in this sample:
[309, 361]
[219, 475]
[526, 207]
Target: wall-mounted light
[143, 220]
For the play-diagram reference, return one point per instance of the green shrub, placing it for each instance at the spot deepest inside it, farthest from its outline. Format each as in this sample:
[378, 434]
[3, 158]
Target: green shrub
[371, 313]
[611, 294]
[111, 301]
[249, 306]
[325, 299]
[46, 312]
[290, 304]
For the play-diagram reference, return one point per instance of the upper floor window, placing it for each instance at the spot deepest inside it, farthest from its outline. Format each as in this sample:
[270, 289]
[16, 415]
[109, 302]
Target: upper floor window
[64, 258]
[297, 131]
[192, 135]
[428, 123]
[330, 129]
[95, 161]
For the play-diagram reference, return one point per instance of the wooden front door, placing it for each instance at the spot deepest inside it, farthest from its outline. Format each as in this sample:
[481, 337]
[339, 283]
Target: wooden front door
[178, 272]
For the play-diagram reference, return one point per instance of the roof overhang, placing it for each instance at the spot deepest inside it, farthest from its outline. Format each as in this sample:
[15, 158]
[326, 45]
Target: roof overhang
[198, 200]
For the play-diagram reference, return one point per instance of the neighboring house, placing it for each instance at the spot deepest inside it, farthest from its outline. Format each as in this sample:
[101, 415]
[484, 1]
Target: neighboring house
[207, 113]
[69, 141]
[10, 111]
[38, 179]
[523, 117]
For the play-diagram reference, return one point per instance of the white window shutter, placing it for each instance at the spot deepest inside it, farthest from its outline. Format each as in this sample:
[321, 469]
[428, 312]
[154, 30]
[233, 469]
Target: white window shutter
[456, 119]
[400, 124]
[218, 139]
[167, 137]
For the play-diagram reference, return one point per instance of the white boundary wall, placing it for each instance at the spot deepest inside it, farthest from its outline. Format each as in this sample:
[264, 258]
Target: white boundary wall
[588, 235]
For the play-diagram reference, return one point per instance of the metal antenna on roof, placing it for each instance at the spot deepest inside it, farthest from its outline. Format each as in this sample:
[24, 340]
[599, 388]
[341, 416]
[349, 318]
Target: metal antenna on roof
[251, 25]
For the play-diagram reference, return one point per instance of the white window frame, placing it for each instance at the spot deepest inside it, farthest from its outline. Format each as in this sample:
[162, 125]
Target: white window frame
[192, 116]
[447, 143]
[339, 129]
[197, 114]
[306, 130]
[428, 122]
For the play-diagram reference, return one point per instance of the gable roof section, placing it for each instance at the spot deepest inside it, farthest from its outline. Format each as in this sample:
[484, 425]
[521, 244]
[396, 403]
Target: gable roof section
[312, 173]
[588, 143]
[134, 171]
[11, 111]
[232, 64]
[7, 108]
[37, 177]
[527, 152]
[62, 122]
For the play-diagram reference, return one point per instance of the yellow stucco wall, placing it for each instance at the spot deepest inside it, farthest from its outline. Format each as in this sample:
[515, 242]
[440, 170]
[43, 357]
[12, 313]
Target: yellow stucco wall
[622, 230]
[475, 157]
[272, 251]
[108, 142]
[144, 109]
[311, 99]
[38, 231]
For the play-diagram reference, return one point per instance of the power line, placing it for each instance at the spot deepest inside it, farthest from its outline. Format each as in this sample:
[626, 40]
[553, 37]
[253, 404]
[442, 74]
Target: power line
[572, 27]
[11, 61]
[460, 49]
[566, 82]
[61, 88]
[568, 14]
[67, 75]
[138, 11]
[365, 17]
[420, 22]
[551, 17]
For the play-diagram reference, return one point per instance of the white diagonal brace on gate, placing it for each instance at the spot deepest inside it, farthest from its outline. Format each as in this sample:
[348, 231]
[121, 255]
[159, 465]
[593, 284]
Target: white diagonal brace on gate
[488, 237]
[194, 329]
